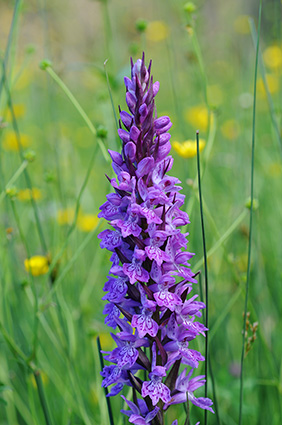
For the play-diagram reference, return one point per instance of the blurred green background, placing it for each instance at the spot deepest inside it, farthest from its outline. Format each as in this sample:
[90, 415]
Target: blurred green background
[50, 190]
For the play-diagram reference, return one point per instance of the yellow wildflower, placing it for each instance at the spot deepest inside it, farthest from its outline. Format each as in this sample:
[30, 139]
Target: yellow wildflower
[65, 216]
[37, 265]
[230, 129]
[198, 116]
[27, 194]
[273, 57]
[18, 109]
[272, 83]
[241, 24]
[87, 222]
[10, 142]
[157, 31]
[188, 149]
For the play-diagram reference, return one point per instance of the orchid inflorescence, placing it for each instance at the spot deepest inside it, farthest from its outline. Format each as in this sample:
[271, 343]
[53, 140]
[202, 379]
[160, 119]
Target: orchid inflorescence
[150, 278]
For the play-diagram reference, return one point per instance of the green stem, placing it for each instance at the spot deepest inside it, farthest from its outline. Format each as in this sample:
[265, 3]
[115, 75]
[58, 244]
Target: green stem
[24, 241]
[110, 94]
[77, 207]
[269, 98]
[78, 107]
[105, 388]
[9, 43]
[13, 346]
[251, 224]
[26, 174]
[12, 180]
[42, 397]
[223, 238]
[205, 267]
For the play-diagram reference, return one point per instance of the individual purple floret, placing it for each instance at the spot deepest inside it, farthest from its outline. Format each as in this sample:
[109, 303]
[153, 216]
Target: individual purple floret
[150, 281]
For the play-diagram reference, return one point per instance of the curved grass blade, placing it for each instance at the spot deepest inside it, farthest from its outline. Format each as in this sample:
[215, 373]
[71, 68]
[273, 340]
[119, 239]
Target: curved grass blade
[45, 65]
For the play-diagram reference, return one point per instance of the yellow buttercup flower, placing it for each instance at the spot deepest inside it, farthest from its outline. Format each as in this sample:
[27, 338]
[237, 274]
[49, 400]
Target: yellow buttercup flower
[241, 24]
[10, 142]
[273, 57]
[157, 31]
[27, 194]
[272, 83]
[230, 129]
[37, 265]
[87, 222]
[18, 109]
[198, 116]
[188, 149]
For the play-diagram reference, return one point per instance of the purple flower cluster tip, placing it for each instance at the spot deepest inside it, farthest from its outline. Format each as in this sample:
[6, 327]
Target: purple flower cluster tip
[150, 281]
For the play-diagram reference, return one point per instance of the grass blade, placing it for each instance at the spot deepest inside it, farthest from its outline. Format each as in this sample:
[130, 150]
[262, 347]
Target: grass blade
[45, 65]
[251, 224]
[106, 389]
[263, 75]
[205, 266]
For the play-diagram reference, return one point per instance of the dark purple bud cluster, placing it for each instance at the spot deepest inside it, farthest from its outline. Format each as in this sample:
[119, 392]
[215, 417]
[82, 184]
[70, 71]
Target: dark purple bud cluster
[150, 278]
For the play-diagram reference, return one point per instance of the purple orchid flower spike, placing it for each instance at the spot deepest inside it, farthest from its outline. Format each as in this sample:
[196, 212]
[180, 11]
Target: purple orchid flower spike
[150, 283]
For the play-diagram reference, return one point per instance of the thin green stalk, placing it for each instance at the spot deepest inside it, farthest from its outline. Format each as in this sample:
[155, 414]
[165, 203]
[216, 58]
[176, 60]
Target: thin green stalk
[209, 360]
[46, 66]
[12, 180]
[71, 262]
[108, 31]
[9, 42]
[205, 267]
[110, 93]
[198, 53]
[26, 174]
[269, 98]
[223, 238]
[173, 77]
[36, 319]
[77, 207]
[105, 388]
[205, 156]
[42, 397]
[187, 420]
[13, 346]
[251, 223]
[216, 409]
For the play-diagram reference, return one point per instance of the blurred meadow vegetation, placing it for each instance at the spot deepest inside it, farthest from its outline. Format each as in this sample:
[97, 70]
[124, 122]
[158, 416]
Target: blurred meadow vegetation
[54, 120]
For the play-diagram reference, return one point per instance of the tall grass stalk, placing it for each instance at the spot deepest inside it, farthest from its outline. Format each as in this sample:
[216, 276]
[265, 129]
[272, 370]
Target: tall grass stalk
[251, 222]
[9, 42]
[25, 171]
[106, 389]
[263, 75]
[205, 267]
